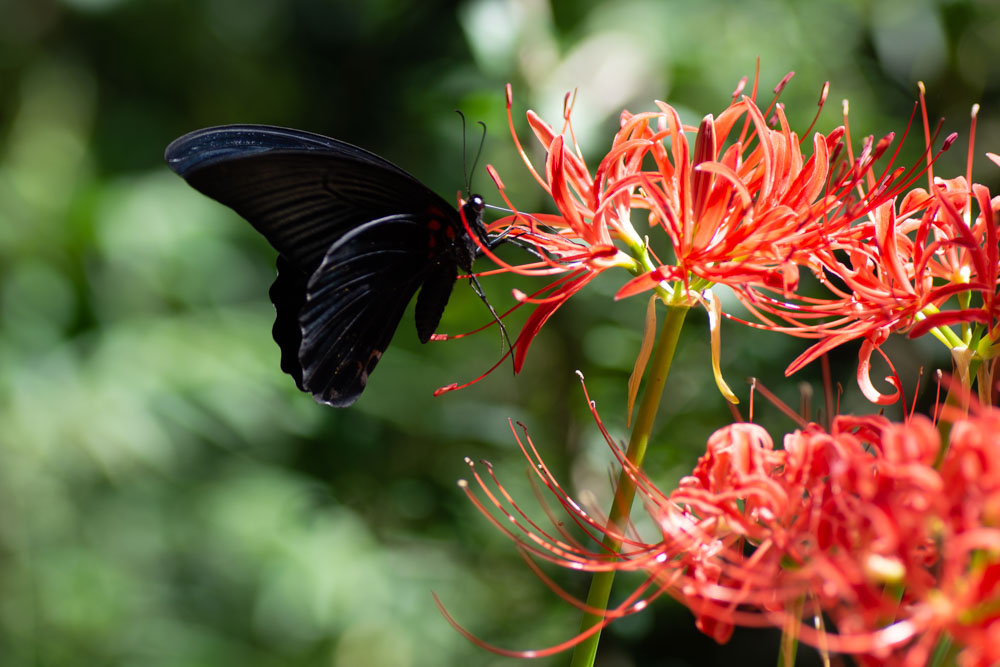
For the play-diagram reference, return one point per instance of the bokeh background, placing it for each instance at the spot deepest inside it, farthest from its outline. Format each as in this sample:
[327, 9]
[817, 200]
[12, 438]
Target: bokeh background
[168, 498]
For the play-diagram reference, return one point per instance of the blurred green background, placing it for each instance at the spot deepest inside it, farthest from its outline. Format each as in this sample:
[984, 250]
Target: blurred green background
[168, 498]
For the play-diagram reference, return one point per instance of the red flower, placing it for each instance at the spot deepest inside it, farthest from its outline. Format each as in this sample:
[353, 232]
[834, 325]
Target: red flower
[744, 207]
[856, 524]
[919, 265]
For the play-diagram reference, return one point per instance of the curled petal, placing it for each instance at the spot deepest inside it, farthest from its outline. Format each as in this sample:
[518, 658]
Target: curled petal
[715, 327]
[864, 376]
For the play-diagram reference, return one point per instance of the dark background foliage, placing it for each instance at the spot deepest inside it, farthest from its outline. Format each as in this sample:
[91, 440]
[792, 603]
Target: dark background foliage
[168, 498]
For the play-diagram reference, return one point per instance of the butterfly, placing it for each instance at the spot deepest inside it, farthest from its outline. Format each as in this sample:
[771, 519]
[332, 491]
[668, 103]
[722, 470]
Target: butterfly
[356, 237]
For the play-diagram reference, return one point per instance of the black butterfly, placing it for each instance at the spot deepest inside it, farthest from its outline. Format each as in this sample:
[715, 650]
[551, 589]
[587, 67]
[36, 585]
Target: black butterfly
[356, 237]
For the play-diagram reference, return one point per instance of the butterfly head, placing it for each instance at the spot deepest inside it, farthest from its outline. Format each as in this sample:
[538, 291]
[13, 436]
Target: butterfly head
[472, 211]
[474, 205]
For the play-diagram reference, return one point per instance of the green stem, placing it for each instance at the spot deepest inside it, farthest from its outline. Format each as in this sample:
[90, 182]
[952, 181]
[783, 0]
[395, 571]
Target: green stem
[790, 635]
[621, 506]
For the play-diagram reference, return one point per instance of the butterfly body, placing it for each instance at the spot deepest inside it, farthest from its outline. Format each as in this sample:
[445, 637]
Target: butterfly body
[356, 237]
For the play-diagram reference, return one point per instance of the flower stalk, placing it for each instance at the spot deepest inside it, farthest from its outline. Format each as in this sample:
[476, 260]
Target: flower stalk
[621, 505]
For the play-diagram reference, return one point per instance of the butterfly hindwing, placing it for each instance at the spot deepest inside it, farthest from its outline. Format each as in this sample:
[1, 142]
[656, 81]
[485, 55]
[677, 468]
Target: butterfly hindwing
[434, 294]
[288, 294]
[354, 302]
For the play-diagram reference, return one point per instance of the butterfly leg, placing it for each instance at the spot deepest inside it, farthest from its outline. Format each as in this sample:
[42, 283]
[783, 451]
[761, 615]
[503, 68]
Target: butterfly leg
[478, 289]
[504, 237]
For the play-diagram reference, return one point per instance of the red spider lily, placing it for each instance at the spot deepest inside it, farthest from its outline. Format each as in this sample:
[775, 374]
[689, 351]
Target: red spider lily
[744, 207]
[857, 524]
[919, 265]
[594, 211]
[745, 210]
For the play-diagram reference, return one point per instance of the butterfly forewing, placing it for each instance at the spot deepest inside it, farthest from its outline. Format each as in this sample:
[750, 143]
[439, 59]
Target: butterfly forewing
[356, 236]
[301, 191]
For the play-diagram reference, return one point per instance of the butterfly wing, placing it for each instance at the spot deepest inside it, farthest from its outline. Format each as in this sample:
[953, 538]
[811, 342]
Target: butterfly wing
[356, 238]
[302, 191]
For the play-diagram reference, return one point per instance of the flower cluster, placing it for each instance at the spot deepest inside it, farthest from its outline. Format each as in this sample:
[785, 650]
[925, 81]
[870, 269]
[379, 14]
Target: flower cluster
[745, 208]
[916, 264]
[870, 524]
[875, 538]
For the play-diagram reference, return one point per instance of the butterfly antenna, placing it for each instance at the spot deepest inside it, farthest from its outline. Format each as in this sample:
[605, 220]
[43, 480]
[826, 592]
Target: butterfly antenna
[465, 150]
[479, 153]
[478, 289]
